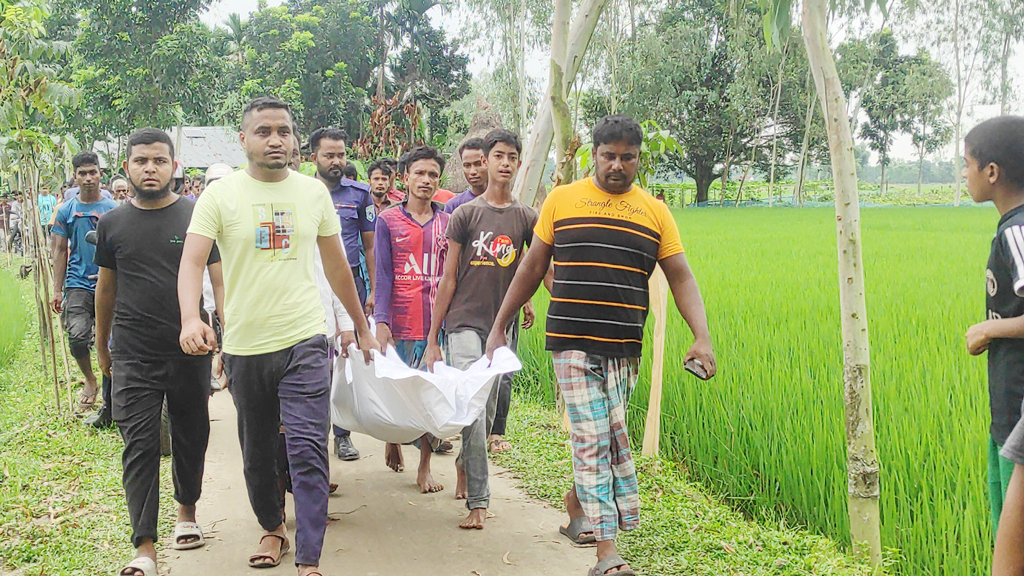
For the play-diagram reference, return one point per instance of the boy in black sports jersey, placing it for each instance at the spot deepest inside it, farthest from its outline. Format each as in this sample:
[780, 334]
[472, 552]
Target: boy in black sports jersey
[994, 170]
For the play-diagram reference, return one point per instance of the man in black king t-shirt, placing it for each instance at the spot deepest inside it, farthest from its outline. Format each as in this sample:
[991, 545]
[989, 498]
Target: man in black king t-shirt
[994, 170]
[138, 251]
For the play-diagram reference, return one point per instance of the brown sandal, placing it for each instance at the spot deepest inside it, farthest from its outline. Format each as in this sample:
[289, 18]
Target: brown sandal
[254, 560]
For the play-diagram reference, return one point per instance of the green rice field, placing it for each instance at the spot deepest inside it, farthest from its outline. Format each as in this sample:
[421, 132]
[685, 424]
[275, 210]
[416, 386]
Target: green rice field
[767, 434]
[13, 316]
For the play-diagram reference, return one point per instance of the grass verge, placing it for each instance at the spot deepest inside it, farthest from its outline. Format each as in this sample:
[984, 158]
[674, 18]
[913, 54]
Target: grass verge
[682, 530]
[62, 508]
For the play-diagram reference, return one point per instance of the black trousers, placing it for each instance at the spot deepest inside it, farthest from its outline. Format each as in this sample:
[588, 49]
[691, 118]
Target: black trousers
[138, 392]
[290, 387]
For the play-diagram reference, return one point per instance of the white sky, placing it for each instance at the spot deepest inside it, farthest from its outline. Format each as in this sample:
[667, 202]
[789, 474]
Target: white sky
[451, 21]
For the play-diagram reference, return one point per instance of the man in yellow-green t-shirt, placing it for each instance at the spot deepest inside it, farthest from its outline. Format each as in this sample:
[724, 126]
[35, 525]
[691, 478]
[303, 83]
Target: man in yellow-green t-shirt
[266, 221]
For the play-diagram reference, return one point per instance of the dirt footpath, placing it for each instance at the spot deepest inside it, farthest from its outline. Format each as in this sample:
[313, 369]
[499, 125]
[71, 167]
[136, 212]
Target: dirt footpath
[381, 524]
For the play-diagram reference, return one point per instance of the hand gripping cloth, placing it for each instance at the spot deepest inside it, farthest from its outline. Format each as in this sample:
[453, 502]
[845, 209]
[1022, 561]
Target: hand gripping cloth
[395, 403]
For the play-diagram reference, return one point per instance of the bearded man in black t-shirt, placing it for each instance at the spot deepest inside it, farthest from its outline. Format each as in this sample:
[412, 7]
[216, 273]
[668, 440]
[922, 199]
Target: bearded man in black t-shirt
[138, 252]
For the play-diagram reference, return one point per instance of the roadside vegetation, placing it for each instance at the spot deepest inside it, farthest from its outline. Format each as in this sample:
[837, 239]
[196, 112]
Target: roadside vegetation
[682, 530]
[766, 434]
[62, 508]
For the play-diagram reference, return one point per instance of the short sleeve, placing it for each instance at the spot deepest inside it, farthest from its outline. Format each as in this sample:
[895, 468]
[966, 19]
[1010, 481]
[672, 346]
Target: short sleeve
[105, 257]
[532, 219]
[206, 217]
[1013, 448]
[458, 227]
[60, 220]
[670, 242]
[367, 214]
[1013, 242]
[214, 255]
[545, 227]
[329, 224]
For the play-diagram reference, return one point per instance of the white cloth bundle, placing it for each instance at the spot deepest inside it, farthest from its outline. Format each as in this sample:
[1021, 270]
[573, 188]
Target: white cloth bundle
[395, 403]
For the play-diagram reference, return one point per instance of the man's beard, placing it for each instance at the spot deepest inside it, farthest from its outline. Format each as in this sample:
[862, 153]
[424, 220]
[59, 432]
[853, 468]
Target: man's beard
[326, 174]
[379, 195]
[151, 195]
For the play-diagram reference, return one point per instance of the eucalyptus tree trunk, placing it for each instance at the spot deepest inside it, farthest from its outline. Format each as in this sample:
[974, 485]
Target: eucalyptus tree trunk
[961, 97]
[798, 192]
[862, 461]
[542, 131]
[1004, 73]
[775, 130]
[560, 116]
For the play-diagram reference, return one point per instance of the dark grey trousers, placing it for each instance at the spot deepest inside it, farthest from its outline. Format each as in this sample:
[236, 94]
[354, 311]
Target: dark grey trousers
[138, 391]
[291, 387]
[504, 386]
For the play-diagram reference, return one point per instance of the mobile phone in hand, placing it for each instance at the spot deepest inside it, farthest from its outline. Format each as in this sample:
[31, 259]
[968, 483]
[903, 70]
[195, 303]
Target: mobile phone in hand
[696, 367]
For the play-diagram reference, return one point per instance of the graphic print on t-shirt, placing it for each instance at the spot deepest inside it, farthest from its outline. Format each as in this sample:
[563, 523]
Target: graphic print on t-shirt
[275, 225]
[500, 250]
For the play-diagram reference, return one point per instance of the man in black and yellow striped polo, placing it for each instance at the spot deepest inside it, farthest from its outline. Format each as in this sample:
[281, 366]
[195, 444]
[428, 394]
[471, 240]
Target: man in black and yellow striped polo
[606, 236]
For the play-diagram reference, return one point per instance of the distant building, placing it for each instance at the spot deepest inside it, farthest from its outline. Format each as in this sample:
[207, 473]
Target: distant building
[199, 147]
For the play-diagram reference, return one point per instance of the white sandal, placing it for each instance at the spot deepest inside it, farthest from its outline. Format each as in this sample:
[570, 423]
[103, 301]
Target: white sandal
[188, 530]
[141, 564]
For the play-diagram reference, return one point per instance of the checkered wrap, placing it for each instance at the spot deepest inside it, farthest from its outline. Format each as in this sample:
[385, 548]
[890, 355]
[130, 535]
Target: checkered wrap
[596, 391]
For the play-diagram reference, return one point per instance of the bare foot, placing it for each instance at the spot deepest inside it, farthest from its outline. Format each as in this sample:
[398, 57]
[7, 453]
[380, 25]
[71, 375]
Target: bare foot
[427, 483]
[393, 457]
[475, 520]
[461, 492]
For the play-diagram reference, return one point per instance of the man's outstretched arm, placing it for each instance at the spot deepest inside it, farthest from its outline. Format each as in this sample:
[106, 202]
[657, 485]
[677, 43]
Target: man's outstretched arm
[528, 277]
[197, 337]
[106, 294]
[691, 305]
[442, 302]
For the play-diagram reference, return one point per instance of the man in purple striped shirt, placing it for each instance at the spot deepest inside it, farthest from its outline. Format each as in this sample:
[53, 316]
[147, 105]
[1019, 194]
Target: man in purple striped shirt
[411, 247]
[475, 171]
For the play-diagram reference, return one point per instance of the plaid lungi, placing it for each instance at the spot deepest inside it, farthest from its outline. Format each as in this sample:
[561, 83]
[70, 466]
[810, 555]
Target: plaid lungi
[596, 391]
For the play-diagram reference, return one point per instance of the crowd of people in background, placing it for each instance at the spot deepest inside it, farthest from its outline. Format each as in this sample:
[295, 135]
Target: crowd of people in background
[264, 281]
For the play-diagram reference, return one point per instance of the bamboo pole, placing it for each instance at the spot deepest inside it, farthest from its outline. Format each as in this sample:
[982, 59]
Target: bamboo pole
[659, 303]
[34, 229]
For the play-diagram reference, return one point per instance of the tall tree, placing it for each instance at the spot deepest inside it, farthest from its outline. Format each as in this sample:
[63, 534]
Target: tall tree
[535, 154]
[1010, 23]
[963, 37]
[146, 63]
[862, 459]
[927, 88]
[711, 81]
[314, 55]
[510, 29]
[883, 98]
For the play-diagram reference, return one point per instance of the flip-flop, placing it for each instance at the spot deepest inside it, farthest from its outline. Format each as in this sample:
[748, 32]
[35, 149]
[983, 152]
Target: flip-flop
[576, 527]
[493, 445]
[254, 560]
[86, 401]
[610, 562]
[141, 564]
[188, 530]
